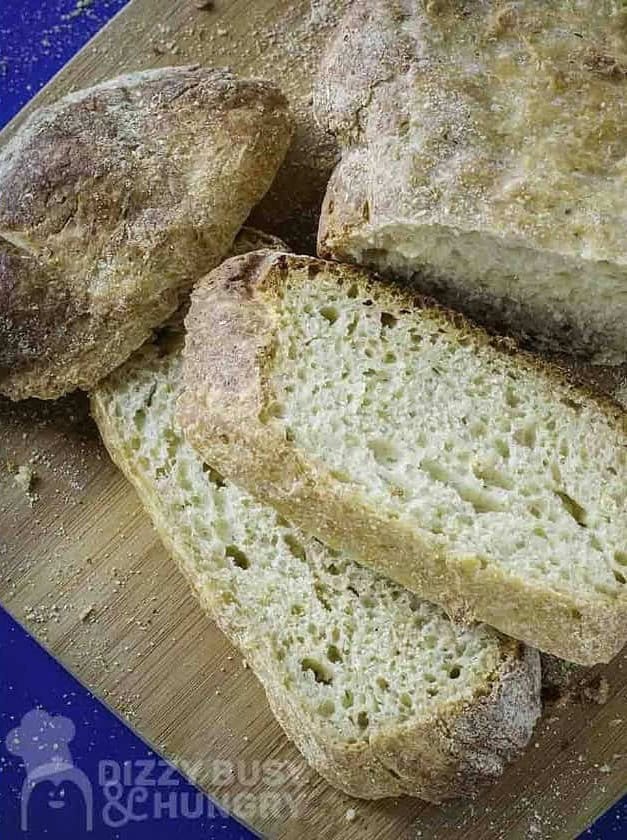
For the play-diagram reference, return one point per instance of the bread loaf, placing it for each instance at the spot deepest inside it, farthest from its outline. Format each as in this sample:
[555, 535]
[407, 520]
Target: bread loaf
[483, 160]
[112, 202]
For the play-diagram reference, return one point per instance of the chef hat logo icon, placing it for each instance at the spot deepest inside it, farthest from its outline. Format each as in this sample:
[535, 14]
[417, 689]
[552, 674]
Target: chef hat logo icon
[42, 742]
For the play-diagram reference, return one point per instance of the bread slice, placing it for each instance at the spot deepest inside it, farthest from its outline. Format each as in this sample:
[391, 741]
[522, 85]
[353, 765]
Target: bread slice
[484, 158]
[382, 694]
[113, 201]
[473, 475]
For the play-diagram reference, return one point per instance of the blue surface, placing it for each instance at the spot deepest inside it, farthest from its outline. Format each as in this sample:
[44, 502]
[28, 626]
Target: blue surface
[37, 37]
[90, 775]
[611, 826]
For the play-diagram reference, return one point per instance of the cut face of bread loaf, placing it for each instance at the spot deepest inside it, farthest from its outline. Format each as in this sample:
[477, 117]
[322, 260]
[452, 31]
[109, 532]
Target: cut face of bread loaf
[470, 473]
[484, 149]
[112, 202]
[382, 694]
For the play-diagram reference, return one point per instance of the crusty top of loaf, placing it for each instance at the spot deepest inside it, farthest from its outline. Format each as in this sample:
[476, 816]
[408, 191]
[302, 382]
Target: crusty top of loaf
[484, 115]
[119, 197]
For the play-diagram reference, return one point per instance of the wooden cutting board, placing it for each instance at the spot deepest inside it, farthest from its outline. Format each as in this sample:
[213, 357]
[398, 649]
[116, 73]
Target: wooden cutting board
[82, 568]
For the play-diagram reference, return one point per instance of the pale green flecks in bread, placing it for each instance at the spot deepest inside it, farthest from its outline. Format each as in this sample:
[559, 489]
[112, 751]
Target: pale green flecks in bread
[507, 467]
[473, 474]
[358, 648]
[379, 690]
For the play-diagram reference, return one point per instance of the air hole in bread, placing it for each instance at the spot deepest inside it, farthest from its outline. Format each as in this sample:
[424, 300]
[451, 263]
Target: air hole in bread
[237, 556]
[384, 451]
[213, 475]
[330, 314]
[490, 475]
[572, 404]
[481, 502]
[388, 320]
[526, 435]
[139, 419]
[511, 397]
[326, 708]
[573, 507]
[320, 673]
[321, 593]
[295, 547]
[502, 448]
[478, 429]
[271, 411]
[333, 654]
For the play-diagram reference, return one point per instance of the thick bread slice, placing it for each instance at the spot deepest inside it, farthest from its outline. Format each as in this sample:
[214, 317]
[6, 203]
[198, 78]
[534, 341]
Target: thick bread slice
[484, 148]
[379, 691]
[472, 474]
[113, 202]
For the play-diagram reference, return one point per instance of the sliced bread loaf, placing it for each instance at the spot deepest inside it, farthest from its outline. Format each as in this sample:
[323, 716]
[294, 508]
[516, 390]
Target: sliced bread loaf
[484, 149]
[472, 474]
[382, 694]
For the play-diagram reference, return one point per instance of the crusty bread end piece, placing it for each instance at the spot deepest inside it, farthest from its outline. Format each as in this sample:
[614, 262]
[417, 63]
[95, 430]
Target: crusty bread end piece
[381, 693]
[113, 201]
[473, 474]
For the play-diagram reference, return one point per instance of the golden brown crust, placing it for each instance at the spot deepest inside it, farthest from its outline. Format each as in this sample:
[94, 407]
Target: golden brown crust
[230, 334]
[450, 753]
[483, 153]
[112, 202]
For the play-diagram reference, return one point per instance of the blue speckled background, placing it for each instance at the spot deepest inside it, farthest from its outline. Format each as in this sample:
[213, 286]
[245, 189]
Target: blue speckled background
[166, 807]
[37, 37]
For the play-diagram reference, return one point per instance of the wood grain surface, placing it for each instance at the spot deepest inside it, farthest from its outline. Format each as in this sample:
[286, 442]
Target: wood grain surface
[81, 567]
